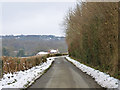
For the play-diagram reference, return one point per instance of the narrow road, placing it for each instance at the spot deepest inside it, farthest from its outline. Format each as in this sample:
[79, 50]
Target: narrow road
[63, 74]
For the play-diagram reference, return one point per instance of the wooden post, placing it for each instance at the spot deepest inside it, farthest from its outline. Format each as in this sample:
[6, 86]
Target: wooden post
[1, 62]
[1, 68]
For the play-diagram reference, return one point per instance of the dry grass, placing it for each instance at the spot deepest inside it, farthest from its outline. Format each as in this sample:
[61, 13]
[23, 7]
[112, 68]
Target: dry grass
[14, 64]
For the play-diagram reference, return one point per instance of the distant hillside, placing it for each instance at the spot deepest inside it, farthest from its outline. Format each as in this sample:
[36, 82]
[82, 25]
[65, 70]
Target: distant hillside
[32, 44]
[40, 37]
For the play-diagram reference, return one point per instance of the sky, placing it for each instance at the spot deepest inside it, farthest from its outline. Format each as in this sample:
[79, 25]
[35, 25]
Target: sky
[34, 18]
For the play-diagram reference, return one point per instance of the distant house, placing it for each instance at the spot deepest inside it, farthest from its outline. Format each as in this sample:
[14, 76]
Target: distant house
[42, 53]
[53, 51]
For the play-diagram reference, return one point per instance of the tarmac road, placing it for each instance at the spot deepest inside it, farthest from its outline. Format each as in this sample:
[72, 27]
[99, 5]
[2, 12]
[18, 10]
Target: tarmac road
[63, 74]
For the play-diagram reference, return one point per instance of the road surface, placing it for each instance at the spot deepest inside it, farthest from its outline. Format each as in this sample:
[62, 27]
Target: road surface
[63, 74]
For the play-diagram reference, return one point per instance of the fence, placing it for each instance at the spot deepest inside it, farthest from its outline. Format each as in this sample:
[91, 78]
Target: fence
[1, 73]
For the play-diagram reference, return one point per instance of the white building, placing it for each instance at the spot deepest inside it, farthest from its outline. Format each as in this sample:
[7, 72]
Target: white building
[53, 51]
[42, 53]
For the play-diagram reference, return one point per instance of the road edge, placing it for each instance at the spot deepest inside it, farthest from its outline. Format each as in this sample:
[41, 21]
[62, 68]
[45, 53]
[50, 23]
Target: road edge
[90, 75]
[33, 81]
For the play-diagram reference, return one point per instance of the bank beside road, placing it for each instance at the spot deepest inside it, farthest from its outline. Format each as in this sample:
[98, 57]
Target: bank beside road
[23, 79]
[101, 78]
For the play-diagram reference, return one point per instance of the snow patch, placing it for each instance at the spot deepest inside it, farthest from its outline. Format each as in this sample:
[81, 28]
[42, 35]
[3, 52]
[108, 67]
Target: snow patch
[22, 79]
[42, 53]
[101, 78]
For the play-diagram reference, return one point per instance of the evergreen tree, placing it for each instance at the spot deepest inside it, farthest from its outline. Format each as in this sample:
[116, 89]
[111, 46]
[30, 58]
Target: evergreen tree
[5, 52]
[21, 53]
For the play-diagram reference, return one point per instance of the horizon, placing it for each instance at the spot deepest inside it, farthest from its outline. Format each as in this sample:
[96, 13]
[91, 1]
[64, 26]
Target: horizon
[31, 35]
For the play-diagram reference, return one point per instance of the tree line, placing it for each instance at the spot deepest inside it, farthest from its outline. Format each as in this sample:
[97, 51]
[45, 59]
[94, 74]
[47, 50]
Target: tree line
[92, 35]
[6, 52]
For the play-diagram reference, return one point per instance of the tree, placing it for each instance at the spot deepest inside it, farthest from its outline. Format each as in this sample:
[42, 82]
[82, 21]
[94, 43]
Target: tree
[5, 52]
[92, 35]
[21, 53]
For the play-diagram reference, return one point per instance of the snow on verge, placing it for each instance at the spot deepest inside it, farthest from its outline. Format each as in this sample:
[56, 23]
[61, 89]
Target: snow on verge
[101, 78]
[23, 79]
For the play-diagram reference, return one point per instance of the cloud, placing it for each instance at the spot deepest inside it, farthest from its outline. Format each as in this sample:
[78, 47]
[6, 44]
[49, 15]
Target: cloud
[38, 1]
[34, 18]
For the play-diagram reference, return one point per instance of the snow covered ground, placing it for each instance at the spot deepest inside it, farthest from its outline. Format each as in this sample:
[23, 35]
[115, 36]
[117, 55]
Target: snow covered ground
[101, 78]
[42, 53]
[23, 79]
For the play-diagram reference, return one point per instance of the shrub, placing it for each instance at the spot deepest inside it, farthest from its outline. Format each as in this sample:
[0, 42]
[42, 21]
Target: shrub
[14, 64]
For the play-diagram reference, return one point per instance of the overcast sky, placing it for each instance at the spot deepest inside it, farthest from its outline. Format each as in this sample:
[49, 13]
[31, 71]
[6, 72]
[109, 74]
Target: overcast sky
[44, 18]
